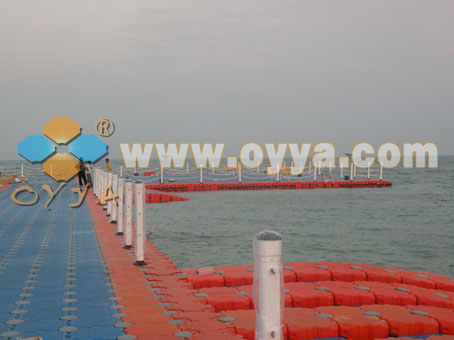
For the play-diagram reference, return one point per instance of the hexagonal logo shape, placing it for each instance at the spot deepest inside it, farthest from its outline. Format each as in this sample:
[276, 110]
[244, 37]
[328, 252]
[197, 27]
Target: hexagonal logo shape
[36, 148]
[88, 147]
[61, 167]
[62, 130]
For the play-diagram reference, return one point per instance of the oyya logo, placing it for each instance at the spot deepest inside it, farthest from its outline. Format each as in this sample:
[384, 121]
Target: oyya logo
[61, 131]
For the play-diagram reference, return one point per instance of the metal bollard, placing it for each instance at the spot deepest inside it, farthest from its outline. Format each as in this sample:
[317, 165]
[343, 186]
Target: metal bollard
[113, 214]
[140, 223]
[128, 221]
[120, 221]
[268, 285]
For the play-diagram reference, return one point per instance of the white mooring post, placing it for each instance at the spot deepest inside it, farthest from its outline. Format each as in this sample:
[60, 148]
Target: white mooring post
[277, 173]
[98, 182]
[351, 171]
[315, 172]
[98, 186]
[201, 174]
[120, 221]
[94, 180]
[104, 183]
[268, 288]
[162, 175]
[110, 202]
[113, 214]
[319, 168]
[140, 223]
[381, 171]
[239, 173]
[354, 170]
[128, 220]
[368, 171]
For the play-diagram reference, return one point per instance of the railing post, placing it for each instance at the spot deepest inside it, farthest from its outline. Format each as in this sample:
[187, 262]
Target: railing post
[381, 170]
[354, 170]
[104, 183]
[315, 171]
[239, 173]
[201, 174]
[110, 202]
[96, 182]
[351, 171]
[113, 213]
[120, 221]
[277, 173]
[140, 223]
[98, 190]
[319, 168]
[268, 289]
[128, 222]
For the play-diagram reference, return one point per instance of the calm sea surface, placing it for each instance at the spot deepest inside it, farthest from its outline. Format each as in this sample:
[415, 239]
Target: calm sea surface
[410, 225]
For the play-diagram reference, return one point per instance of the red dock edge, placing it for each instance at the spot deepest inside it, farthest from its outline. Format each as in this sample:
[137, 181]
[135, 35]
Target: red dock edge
[355, 301]
[181, 187]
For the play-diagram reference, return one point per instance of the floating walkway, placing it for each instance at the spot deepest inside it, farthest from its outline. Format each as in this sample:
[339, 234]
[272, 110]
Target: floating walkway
[53, 280]
[182, 187]
[65, 274]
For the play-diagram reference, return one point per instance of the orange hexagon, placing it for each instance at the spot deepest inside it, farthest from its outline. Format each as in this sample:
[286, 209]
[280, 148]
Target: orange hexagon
[61, 167]
[61, 130]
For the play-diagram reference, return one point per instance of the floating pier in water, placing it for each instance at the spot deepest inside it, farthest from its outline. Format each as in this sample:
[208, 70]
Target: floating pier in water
[66, 273]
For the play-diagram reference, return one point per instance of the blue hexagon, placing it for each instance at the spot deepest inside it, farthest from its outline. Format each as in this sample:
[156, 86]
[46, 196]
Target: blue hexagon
[35, 148]
[88, 147]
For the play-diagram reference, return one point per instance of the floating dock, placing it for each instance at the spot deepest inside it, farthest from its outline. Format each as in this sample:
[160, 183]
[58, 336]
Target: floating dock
[64, 274]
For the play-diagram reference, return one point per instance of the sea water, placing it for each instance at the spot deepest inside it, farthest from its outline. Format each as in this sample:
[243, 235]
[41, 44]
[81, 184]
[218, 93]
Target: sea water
[409, 225]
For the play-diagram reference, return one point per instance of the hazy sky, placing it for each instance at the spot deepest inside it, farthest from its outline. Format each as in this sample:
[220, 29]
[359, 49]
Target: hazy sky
[231, 71]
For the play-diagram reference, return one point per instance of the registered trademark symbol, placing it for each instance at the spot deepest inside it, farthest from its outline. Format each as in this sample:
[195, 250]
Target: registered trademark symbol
[105, 127]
